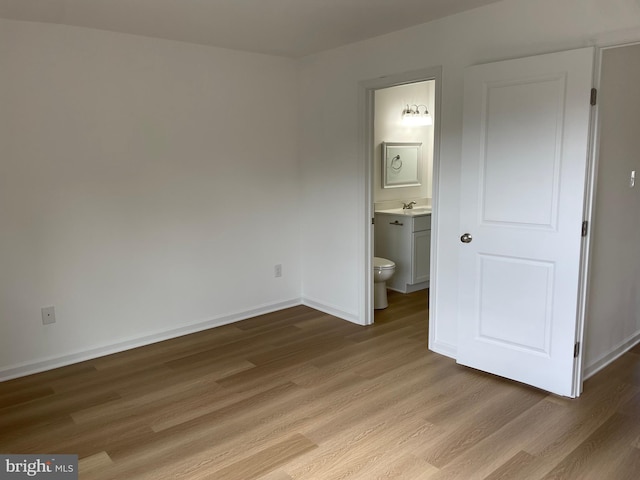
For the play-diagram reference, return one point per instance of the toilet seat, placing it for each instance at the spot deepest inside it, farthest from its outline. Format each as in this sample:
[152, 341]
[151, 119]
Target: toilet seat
[383, 270]
[383, 264]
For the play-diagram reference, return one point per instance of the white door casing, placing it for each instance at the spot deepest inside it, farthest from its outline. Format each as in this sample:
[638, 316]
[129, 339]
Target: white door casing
[524, 167]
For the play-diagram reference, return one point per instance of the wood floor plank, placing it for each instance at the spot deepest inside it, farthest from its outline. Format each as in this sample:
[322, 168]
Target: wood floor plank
[363, 352]
[301, 395]
[157, 406]
[13, 439]
[43, 409]
[255, 379]
[496, 413]
[501, 450]
[406, 467]
[277, 475]
[631, 407]
[216, 436]
[238, 349]
[585, 416]
[106, 380]
[96, 462]
[269, 424]
[269, 459]
[161, 352]
[80, 440]
[628, 464]
[353, 454]
[287, 316]
[513, 468]
[359, 410]
[45, 378]
[22, 395]
[599, 456]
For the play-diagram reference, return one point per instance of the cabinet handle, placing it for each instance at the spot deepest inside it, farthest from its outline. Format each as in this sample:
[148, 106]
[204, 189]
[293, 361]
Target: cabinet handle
[396, 223]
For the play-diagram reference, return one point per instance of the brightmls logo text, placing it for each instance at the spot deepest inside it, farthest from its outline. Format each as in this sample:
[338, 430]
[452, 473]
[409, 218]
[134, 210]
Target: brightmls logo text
[30, 468]
[51, 467]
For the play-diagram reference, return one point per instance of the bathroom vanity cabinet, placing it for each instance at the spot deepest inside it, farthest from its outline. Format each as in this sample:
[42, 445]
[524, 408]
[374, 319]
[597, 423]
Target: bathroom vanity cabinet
[405, 239]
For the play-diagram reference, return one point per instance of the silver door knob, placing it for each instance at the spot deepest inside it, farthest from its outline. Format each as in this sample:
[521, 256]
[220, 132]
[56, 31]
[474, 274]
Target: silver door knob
[466, 238]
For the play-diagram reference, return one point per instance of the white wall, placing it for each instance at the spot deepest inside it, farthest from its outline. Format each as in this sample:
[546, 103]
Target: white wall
[389, 105]
[613, 313]
[332, 162]
[146, 186]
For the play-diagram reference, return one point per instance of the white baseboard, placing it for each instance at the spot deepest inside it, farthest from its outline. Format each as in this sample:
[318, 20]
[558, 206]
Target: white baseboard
[411, 288]
[50, 363]
[614, 354]
[332, 310]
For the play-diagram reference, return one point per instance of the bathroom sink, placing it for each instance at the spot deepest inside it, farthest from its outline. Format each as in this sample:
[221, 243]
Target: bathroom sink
[407, 211]
[417, 211]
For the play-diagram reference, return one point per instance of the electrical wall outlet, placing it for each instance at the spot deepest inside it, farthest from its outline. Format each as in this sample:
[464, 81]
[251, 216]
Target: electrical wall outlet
[277, 270]
[48, 315]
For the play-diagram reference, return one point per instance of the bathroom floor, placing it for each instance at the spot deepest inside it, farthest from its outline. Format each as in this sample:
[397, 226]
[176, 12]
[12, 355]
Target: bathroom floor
[403, 303]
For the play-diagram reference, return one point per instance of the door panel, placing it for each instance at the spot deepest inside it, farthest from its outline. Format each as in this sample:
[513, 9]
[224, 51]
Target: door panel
[421, 253]
[530, 178]
[530, 303]
[526, 131]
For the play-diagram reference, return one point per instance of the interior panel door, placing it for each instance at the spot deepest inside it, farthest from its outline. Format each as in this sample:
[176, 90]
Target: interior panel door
[524, 166]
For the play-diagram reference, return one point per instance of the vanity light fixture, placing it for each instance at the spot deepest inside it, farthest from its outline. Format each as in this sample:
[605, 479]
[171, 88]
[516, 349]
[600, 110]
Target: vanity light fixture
[412, 115]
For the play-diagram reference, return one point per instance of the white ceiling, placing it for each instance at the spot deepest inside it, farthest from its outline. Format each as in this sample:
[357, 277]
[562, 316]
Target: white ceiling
[291, 28]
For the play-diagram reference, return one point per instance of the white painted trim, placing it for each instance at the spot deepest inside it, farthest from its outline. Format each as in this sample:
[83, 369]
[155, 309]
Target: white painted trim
[444, 348]
[585, 254]
[50, 363]
[604, 360]
[332, 310]
[410, 288]
[366, 99]
[612, 356]
[366, 112]
[434, 277]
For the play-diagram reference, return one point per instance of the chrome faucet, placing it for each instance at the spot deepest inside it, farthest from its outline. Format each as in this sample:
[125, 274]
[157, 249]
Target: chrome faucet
[408, 206]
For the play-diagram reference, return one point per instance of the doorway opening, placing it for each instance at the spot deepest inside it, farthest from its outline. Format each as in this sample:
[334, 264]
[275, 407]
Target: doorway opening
[385, 100]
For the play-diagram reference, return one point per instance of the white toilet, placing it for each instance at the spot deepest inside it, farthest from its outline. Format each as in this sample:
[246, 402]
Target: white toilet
[382, 271]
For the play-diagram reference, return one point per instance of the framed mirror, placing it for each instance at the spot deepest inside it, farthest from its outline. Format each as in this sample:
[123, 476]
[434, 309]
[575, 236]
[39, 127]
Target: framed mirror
[401, 164]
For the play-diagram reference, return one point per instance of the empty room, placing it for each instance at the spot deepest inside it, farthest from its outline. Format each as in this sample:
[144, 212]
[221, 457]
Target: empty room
[319, 239]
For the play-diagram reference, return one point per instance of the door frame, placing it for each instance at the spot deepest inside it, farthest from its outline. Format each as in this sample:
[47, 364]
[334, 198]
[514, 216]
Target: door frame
[366, 155]
[591, 198]
[589, 207]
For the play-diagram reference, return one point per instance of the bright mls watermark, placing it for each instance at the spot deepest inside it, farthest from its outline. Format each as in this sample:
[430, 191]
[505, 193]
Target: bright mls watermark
[51, 467]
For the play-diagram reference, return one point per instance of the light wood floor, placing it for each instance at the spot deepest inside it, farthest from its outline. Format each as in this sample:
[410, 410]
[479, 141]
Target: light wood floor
[299, 394]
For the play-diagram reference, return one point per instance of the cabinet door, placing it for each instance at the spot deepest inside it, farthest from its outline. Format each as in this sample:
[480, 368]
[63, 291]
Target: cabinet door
[421, 256]
[393, 242]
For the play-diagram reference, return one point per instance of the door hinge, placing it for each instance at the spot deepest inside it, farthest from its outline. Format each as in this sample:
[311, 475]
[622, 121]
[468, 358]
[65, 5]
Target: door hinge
[585, 228]
[576, 350]
[594, 96]
[373, 221]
